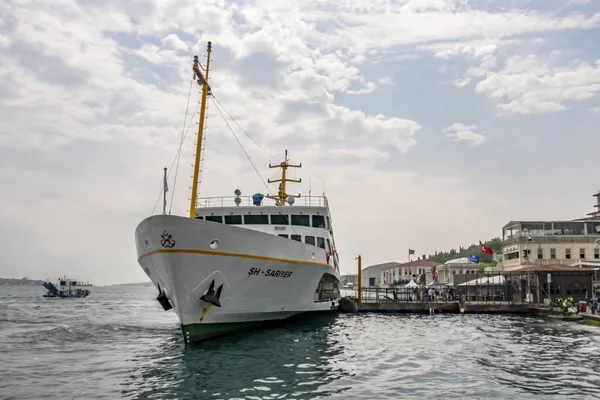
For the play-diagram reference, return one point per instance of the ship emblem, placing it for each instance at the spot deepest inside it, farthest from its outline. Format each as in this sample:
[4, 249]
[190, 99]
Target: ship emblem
[166, 240]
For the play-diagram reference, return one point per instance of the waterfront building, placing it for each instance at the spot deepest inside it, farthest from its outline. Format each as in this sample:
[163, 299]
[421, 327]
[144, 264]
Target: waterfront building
[457, 270]
[419, 270]
[526, 243]
[371, 276]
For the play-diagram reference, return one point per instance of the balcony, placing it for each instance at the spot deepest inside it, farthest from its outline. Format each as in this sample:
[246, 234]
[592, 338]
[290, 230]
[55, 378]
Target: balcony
[580, 239]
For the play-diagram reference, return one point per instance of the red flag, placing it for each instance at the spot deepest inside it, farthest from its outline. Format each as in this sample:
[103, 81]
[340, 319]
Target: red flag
[485, 249]
[411, 251]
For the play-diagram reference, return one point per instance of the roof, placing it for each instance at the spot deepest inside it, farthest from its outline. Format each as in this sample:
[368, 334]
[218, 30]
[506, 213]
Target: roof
[461, 260]
[554, 268]
[382, 266]
[421, 263]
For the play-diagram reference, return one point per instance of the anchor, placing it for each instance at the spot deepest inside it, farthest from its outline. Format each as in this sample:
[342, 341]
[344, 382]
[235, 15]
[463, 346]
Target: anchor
[163, 300]
[210, 296]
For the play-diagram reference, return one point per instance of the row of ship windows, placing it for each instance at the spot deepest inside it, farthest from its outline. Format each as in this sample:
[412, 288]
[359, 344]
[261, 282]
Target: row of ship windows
[318, 221]
[315, 241]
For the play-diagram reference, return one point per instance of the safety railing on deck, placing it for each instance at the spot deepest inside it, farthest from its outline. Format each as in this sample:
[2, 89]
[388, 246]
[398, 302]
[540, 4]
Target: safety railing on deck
[229, 201]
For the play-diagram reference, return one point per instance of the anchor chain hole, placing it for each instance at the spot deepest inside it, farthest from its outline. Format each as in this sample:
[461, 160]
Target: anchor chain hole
[214, 244]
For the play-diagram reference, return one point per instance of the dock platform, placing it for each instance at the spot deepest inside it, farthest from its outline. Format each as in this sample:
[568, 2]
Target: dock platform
[351, 305]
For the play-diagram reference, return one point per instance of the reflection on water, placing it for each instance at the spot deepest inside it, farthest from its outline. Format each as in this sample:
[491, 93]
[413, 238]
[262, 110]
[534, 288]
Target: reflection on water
[120, 344]
[296, 359]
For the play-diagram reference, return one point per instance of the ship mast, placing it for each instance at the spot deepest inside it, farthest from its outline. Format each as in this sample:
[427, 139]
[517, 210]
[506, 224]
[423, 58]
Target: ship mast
[206, 90]
[282, 195]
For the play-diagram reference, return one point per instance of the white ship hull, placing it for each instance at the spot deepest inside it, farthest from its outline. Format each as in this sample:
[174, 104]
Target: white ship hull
[264, 277]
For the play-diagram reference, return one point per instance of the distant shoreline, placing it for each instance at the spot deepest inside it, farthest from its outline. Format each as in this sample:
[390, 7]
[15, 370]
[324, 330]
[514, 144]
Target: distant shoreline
[20, 282]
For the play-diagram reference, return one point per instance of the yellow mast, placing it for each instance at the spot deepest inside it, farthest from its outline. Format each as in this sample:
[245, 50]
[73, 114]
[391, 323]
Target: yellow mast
[203, 81]
[282, 194]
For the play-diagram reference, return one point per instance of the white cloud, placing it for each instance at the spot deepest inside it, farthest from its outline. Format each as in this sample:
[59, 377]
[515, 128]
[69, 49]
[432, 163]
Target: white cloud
[531, 86]
[465, 133]
[92, 100]
[595, 110]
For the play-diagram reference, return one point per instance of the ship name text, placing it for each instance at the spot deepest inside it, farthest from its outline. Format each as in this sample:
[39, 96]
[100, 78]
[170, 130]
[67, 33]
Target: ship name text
[275, 273]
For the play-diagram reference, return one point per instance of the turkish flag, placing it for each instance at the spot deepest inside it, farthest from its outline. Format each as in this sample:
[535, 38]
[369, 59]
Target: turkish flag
[486, 250]
[410, 251]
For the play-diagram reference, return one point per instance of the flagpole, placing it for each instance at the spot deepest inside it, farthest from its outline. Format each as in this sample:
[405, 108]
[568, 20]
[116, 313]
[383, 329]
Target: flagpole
[165, 189]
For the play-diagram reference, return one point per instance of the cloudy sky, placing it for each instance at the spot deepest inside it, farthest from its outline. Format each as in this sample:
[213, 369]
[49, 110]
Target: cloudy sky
[428, 123]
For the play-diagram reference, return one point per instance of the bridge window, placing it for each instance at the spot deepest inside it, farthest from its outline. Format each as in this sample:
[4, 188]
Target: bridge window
[329, 247]
[309, 240]
[199, 217]
[283, 235]
[278, 219]
[328, 224]
[318, 221]
[301, 220]
[297, 238]
[215, 218]
[233, 219]
[321, 242]
[256, 219]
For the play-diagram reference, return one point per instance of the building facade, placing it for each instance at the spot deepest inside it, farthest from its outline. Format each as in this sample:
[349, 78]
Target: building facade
[549, 242]
[372, 276]
[526, 243]
[419, 270]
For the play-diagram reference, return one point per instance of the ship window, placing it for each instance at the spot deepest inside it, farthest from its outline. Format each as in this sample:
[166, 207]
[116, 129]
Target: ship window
[297, 238]
[321, 242]
[256, 219]
[278, 219]
[318, 221]
[283, 235]
[328, 223]
[301, 220]
[215, 218]
[200, 217]
[329, 247]
[309, 240]
[233, 219]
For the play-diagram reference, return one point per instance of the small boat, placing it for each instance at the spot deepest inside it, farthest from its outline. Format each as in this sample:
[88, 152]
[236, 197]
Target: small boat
[66, 287]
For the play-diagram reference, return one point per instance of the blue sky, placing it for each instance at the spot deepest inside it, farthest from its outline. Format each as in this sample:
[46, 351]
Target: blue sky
[430, 123]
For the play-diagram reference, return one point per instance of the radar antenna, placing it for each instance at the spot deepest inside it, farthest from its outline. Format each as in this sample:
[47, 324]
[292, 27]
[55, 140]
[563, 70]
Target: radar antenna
[282, 196]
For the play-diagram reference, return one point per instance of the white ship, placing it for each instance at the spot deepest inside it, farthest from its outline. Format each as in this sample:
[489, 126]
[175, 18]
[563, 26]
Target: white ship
[237, 262]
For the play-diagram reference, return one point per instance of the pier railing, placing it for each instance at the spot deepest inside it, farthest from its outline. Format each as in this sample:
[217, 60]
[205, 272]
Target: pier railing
[229, 201]
[505, 287]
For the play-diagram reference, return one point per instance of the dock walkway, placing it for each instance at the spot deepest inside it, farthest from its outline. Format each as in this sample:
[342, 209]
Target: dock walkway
[349, 304]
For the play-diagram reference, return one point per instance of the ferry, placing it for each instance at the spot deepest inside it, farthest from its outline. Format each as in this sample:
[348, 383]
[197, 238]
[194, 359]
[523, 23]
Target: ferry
[236, 262]
[66, 287]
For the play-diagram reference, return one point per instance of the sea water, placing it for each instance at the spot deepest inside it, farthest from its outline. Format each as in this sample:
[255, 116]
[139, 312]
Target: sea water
[119, 344]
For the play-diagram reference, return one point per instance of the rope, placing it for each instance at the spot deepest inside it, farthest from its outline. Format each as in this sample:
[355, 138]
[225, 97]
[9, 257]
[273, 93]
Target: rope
[240, 143]
[243, 130]
[180, 145]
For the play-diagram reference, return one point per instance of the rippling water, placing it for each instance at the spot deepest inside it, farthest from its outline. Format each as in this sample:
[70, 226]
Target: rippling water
[118, 343]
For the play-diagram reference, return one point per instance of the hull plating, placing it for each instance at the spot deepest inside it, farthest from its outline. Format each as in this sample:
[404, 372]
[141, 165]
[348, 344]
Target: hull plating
[264, 277]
